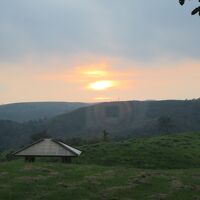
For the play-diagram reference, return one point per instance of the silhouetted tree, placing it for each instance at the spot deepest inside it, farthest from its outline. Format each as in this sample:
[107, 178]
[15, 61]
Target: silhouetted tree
[76, 141]
[6, 155]
[105, 136]
[195, 11]
[165, 124]
[93, 140]
[38, 136]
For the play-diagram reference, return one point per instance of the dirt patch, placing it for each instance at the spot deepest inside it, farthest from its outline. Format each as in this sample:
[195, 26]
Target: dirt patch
[196, 176]
[141, 178]
[28, 167]
[108, 173]
[109, 193]
[97, 178]
[31, 178]
[64, 185]
[177, 184]
[4, 186]
[159, 197]
[3, 174]
[68, 185]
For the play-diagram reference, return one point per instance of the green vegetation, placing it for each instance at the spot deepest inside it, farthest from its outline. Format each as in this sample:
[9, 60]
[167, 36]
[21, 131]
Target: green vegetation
[119, 119]
[158, 152]
[163, 167]
[22, 181]
[38, 136]
[128, 119]
[21, 112]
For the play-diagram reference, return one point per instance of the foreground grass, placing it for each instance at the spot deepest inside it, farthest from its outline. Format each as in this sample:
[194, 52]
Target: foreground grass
[57, 181]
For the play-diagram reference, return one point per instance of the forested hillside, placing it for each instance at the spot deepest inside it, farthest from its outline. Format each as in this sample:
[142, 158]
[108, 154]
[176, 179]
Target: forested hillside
[130, 118]
[36, 110]
[118, 119]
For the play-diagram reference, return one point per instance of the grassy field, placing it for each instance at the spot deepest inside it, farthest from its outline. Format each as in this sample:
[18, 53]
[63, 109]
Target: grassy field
[57, 181]
[157, 168]
[175, 151]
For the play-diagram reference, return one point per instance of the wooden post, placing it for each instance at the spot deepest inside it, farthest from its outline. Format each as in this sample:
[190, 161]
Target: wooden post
[32, 159]
[69, 159]
[29, 159]
[26, 159]
[66, 159]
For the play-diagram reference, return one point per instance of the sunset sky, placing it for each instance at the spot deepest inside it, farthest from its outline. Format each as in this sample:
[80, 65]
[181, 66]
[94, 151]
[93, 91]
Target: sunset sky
[98, 50]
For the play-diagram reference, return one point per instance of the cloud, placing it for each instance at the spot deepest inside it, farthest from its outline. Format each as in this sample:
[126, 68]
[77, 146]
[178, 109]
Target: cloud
[137, 30]
[149, 47]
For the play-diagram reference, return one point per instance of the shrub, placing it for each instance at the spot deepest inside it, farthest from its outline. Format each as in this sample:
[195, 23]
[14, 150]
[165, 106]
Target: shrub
[6, 155]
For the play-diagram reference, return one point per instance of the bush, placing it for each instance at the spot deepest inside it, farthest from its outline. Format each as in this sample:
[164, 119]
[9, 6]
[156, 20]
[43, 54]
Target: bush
[6, 155]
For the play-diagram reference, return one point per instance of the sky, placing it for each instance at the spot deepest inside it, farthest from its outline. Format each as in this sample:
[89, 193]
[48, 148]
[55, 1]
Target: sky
[98, 50]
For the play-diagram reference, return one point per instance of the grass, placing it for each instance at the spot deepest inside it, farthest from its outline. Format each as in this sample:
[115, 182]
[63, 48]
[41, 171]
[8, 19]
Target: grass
[157, 168]
[159, 152]
[45, 180]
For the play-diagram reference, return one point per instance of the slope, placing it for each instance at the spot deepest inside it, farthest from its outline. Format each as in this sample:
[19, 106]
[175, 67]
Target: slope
[158, 152]
[130, 118]
[36, 110]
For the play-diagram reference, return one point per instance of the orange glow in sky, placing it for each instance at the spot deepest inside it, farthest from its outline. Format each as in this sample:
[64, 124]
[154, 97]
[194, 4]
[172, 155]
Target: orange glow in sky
[101, 85]
[102, 99]
[96, 73]
[98, 82]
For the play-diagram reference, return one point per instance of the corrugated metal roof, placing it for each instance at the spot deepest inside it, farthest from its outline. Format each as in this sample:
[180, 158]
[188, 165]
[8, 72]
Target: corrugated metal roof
[48, 147]
[78, 152]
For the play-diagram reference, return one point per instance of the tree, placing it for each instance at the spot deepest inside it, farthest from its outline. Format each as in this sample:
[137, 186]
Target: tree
[38, 136]
[105, 136]
[6, 155]
[195, 11]
[76, 141]
[165, 124]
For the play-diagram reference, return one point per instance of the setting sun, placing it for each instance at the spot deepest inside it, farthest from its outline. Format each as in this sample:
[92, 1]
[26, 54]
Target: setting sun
[101, 85]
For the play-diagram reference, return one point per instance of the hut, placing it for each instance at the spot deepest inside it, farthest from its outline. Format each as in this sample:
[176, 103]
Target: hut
[48, 148]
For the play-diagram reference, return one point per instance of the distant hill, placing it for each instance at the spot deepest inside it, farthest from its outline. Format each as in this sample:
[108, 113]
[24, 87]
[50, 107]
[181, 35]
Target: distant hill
[176, 151]
[36, 110]
[120, 119]
[127, 119]
[12, 134]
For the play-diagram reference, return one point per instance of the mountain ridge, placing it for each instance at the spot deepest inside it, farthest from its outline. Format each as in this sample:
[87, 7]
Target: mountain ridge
[25, 111]
[139, 117]
[120, 119]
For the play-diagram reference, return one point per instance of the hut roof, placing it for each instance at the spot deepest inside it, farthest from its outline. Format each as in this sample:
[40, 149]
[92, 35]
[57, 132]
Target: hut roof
[48, 147]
